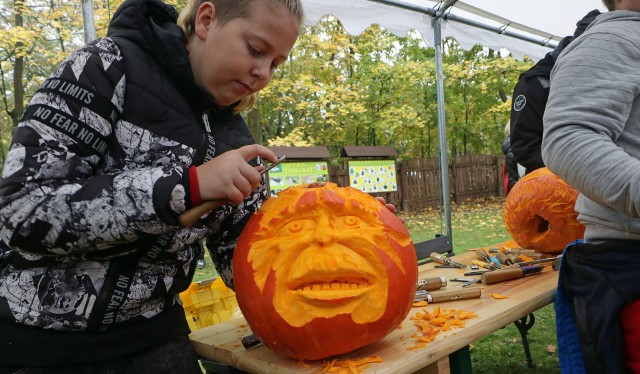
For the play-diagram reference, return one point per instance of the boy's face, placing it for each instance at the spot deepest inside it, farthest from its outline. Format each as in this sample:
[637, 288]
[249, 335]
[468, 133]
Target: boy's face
[239, 57]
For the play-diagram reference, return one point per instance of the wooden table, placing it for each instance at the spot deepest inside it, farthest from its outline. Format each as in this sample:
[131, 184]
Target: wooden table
[222, 342]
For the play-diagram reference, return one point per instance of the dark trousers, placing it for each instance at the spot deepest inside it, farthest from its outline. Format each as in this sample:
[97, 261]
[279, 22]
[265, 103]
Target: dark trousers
[173, 357]
[597, 281]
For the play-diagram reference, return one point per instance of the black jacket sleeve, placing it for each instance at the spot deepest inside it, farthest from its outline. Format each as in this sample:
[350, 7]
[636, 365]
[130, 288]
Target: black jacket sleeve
[510, 162]
[527, 111]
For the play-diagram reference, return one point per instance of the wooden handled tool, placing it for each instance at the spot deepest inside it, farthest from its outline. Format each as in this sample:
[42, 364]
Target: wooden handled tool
[437, 257]
[504, 275]
[191, 216]
[453, 295]
[482, 264]
[503, 258]
[431, 284]
[484, 256]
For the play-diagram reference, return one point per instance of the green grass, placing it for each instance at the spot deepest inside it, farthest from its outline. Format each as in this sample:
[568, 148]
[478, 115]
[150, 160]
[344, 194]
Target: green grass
[474, 225]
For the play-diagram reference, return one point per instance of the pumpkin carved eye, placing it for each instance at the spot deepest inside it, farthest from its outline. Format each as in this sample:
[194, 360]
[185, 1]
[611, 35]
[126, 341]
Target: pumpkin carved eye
[350, 221]
[297, 226]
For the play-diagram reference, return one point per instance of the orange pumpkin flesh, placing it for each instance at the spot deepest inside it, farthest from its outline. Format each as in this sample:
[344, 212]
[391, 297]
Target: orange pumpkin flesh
[322, 270]
[539, 212]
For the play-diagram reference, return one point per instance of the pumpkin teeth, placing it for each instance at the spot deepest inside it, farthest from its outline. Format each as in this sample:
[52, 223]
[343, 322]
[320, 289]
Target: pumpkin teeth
[332, 286]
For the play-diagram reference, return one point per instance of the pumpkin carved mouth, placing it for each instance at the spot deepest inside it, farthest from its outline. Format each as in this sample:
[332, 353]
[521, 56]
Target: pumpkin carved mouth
[333, 273]
[336, 285]
[334, 296]
[332, 290]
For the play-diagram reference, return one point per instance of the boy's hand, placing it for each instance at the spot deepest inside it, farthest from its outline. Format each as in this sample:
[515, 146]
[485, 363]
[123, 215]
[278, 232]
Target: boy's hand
[229, 176]
[389, 206]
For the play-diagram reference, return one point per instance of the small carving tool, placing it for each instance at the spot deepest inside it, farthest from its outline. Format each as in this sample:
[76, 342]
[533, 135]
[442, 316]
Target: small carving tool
[430, 284]
[466, 282]
[191, 216]
[448, 295]
[540, 261]
[437, 257]
[482, 264]
[503, 258]
[478, 272]
[250, 341]
[493, 262]
[508, 274]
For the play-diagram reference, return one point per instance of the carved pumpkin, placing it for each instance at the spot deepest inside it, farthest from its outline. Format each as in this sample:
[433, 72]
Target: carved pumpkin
[322, 270]
[539, 212]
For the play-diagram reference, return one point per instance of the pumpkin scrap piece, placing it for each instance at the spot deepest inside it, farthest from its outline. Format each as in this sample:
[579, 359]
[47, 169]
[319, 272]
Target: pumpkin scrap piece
[463, 314]
[348, 365]
[499, 296]
[431, 323]
[524, 258]
[420, 303]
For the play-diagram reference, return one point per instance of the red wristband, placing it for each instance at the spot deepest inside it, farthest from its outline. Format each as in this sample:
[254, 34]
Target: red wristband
[194, 187]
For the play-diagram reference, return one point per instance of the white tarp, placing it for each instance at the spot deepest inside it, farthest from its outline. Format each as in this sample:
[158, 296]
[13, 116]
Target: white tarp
[543, 21]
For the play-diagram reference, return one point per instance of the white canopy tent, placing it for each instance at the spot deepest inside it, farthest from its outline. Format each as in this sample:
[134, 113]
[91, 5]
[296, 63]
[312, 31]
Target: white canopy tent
[524, 28]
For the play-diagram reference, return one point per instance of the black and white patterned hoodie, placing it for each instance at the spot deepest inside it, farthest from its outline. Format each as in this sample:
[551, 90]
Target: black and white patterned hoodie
[92, 187]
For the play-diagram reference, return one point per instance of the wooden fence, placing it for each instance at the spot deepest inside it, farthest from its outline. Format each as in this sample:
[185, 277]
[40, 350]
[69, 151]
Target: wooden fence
[470, 177]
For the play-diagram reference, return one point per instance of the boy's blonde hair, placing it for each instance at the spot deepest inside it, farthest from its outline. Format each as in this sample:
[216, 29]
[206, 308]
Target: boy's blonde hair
[227, 10]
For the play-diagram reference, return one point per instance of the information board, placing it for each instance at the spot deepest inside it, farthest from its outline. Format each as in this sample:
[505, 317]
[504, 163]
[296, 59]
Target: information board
[289, 174]
[373, 175]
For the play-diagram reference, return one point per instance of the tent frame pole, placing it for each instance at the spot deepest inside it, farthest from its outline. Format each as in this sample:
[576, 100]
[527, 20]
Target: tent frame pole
[442, 131]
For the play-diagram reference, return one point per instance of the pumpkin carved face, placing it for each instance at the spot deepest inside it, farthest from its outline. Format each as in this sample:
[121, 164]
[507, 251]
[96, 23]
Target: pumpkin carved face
[539, 212]
[322, 270]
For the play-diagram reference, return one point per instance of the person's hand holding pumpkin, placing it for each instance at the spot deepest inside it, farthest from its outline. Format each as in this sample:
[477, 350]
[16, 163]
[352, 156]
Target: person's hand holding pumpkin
[389, 206]
[230, 176]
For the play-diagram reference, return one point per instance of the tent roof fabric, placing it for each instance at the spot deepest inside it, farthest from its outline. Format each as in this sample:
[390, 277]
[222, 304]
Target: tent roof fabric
[544, 21]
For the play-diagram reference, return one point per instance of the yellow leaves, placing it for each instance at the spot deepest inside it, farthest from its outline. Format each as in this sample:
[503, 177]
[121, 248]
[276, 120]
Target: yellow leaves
[295, 138]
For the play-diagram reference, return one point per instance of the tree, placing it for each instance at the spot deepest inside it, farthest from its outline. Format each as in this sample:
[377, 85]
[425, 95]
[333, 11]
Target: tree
[334, 90]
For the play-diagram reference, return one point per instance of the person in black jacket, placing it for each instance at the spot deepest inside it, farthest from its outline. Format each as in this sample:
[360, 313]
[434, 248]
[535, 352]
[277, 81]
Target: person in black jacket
[129, 132]
[529, 100]
[510, 172]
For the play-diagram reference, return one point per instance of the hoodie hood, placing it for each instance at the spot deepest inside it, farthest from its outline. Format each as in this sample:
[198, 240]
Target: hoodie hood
[625, 15]
[151, 24]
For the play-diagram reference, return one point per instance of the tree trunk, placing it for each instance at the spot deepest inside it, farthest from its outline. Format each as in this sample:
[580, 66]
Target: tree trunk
[253, 121]
[18, 71]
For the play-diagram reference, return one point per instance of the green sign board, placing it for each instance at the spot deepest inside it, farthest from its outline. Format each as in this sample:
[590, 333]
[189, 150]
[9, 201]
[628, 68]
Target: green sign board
[373, 175]
[289, 174]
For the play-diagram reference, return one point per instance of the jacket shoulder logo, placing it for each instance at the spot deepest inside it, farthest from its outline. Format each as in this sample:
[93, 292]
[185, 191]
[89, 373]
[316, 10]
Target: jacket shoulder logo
[519, 103]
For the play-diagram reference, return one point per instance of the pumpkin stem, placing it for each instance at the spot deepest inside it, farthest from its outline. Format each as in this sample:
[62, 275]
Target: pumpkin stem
[316, 185]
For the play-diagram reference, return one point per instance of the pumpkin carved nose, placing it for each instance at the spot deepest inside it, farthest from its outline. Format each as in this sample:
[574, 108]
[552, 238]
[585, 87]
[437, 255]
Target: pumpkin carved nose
[323, 233]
